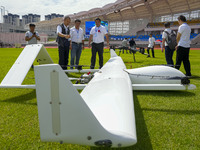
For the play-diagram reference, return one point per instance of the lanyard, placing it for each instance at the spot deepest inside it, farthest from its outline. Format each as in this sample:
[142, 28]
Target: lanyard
[66, 29]
[77, 31]
[97, 29]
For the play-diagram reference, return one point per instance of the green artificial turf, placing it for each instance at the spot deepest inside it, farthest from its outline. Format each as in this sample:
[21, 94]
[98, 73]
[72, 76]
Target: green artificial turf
[164, 120]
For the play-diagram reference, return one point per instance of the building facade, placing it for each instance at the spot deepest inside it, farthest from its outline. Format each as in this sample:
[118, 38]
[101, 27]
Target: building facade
[52, 16]
[12, 19]
[30, 18]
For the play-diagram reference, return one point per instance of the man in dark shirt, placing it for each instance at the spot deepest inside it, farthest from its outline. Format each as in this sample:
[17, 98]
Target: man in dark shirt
[132, 42]
[63, 33]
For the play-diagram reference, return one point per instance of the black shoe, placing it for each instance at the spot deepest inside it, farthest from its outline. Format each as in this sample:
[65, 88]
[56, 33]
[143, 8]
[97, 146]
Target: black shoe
[188, 75]
[64, 68]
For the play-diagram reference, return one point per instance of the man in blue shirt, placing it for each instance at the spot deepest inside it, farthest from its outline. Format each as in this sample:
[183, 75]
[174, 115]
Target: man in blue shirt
[76, 43]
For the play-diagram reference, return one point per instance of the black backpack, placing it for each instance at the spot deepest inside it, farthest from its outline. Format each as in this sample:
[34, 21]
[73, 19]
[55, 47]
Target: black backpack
[171, 40]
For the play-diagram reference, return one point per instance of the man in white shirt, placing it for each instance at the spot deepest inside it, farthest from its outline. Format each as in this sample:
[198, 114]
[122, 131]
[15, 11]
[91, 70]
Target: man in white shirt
[168, 52]
[125, 45]
[151, 45]
[63, 33]
[32, 36]
[183, 47]
[76, 43]
[97, 34]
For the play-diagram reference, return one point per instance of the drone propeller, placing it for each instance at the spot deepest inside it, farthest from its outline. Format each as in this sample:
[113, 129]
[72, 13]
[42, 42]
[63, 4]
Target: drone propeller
[184, 80]
[186, 77]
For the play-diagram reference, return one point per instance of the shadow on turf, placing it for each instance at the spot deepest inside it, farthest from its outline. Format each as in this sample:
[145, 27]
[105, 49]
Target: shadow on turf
[168, 93]
[22, 98]
[143, 139]
[171, 111]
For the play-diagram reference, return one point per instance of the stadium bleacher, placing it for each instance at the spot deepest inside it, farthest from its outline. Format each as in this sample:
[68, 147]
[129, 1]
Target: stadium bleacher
[173, 24]
[143, 37]
[156, 36]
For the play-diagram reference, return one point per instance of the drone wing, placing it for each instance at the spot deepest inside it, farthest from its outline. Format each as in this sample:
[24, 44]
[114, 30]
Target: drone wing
[20, 68]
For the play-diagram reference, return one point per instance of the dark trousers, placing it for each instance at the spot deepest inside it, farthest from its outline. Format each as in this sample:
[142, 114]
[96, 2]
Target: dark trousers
[169, 56]
[182, 54]
[97, 47]
[124, 48]
[63, 56]
[152, 50]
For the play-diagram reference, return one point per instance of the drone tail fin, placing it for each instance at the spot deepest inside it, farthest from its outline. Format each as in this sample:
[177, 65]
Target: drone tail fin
[64, 116]
[112, 53]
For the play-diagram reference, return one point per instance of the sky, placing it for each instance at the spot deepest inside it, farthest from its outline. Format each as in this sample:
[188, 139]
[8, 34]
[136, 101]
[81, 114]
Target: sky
[44, 7]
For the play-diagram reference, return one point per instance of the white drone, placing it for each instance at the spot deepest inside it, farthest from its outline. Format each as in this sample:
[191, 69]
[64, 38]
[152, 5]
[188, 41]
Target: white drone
[103, 113]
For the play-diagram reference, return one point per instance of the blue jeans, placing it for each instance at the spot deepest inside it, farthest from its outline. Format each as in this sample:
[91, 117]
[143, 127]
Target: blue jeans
[169, 56]
[75, 52]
